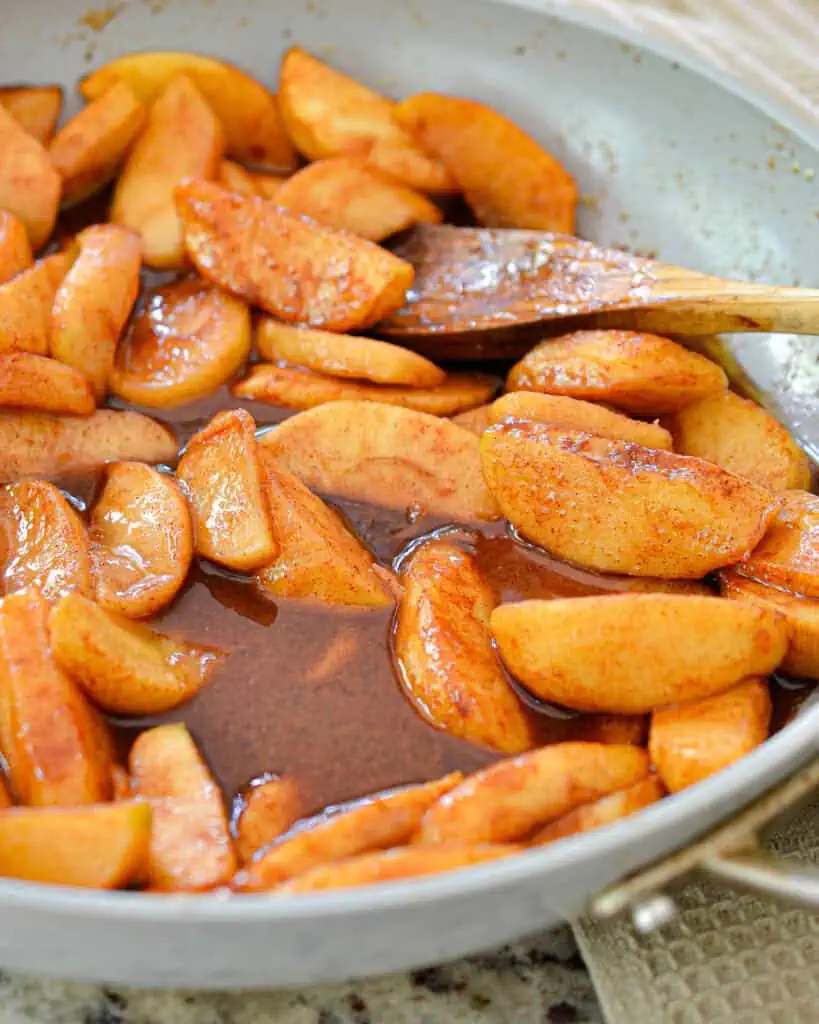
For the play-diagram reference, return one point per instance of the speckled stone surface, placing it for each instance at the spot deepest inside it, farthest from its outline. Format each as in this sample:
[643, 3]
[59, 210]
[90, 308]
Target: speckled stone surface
[539, 981]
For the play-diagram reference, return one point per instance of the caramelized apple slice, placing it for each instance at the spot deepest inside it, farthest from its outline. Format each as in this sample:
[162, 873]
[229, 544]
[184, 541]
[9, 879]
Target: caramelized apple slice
[385, 455]
[393, 865]
[236, 179]
[181, 137]
[346, 355]
[188, 339]
[294, 268]
[102, 847]
[788, 556]
[604, 811]
[639, 373]
[621, 508]
[29, 183]
[373, 823]
[190, 842]
[690, 742]
[509, 799]
[28, 381]
[476, 420]
[559, 411]
[801, 614]
[126, 668]
[267, 185]
[35, 107]
[300, 388]
[88, 150]
[443, 647]
[36, 444]
[318, 556]
[345, 194]
[508, 179]
[25, 305]
[94, 301]
[57, 749]
[222, 475]
[43, 542]
[141, 541]
[327, 114]
[586, 652]
[268, 809]
[248, 112]
[15, 248]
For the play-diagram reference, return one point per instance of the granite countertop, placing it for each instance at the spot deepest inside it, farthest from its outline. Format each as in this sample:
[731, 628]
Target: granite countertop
[541, 980]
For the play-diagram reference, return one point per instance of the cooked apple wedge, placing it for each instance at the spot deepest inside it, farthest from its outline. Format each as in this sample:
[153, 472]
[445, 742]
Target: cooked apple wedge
[475, 420]
[631, 729]
[190, 842]
[387, 456]
[43, 542]
[57, 749]
[508, 179]
[141, 541]
[443, 649]
[604, 811]
[801, 614]
[318, 556]
[267, 185]
[15, 248]
[124, 667]
[37, 444]
[639, 373]
[620, 654]
[788, 556]
[29, 183]
[328, 114]
[269, 808]
[28, 381]
[294, 268]
[345, 194]
[94, 301]
[621, 508]
[559, 411]
[181, 137]
[371, 824]
[102, 847]
[509, 799]
[235, 178]
[223, 478]
[88, 149]
[741, 437]
[26, 302]
[300, 388]
[345, 355]
[35, 107]
[248, 112]
[690, 742]
[187, 340]
[394, 865]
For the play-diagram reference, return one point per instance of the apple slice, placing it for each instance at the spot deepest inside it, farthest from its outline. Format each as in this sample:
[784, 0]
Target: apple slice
[57, 748]
[293, 267]
[248, 112]
[268, 809]
[387, 456]
[187, 340]
[29, 182]
[126, 668]
[604, 811]
[235, 178]
[88, 150]
[28, 381]
[96, 847]
[36, 444]
[222, 476]
[26, 302]
[182, 136]
[15, 248]
[141, 541]
[191, 849]
[35, 107]
[43, 542]
[267, 185]
[788, 555]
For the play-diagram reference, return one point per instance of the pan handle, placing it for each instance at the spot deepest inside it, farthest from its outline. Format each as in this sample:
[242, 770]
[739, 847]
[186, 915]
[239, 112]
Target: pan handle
[731, 853]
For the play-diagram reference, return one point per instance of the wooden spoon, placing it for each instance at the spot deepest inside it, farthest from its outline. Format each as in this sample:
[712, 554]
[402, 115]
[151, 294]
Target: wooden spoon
[482, 292]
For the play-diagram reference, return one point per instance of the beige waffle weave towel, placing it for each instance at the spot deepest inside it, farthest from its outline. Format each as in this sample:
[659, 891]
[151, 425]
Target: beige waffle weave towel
[729, 958]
